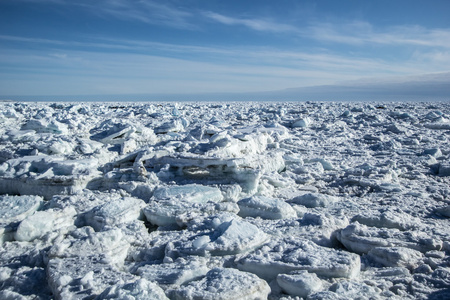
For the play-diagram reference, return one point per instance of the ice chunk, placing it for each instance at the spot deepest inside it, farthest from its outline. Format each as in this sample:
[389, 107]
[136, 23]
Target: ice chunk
[61, 147]
[112, 133]
[117, 211]
[224, 284]
[396, 128]
[139, 290]
[43, 222]
[444, 169]
[170, 126]
[234, 237]
[435, 152]
[201, 211]
[173, 202]
[176, 212]
[225, 235]
[46, 126]
[82, 277]
[17, 208]
[352, 289]
[387, 219]
[193, 193]
[304, 122]
[314, 200]
[445, 211]
[266, 208]
[245, 170]
[290, 254]
[299, 283]
[46, 176]
[396, 257]
[108, 247]
[178, 273]
[326, 164]
[361, 239]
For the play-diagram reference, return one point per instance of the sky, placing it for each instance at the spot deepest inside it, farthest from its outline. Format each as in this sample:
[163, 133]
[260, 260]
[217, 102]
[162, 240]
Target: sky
[86, 47]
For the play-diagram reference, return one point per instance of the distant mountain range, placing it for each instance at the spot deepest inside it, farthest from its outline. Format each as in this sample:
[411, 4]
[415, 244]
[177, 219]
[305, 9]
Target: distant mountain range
[432, 87]
[425, 88]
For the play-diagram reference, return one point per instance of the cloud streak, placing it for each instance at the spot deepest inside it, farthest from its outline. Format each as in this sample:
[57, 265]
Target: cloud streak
[148, 11]
[254, 24]
[363, 33]
[357, 33]
[109, 67]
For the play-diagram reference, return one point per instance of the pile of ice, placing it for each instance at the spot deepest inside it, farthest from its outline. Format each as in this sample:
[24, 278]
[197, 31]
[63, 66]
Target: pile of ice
[224, 201]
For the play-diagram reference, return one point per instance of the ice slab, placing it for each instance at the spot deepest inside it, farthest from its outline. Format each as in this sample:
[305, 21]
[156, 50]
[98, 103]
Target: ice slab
[178, 204]
[396, 257]
[314, 200]
[361, 239]
[170, 126]
[177, 273]
[444, 169]
[46, 126]
[82, 277]
[107, 247]
[352, 289]
[140, 289]
[289, 254]
[224, 284]
[299, 283]
[223, 234]
[444, 211]
[193, 193]
[17, 208]
[54, 221]
[245, 170]
[266, 208]
[304, 122]
[387, 219]
[115, 212]
[46, 176]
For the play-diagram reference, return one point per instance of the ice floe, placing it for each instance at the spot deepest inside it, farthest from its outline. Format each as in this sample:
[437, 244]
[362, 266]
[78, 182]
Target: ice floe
[220, 283]
[311, 200]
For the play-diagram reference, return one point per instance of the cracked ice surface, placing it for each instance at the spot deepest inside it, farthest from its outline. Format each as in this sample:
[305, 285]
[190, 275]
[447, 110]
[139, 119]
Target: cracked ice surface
[225, 201]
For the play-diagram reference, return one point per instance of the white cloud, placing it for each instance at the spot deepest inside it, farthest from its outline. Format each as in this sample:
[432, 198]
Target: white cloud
[255, 24]
[362, 33]
[148, 11]
[357, 33]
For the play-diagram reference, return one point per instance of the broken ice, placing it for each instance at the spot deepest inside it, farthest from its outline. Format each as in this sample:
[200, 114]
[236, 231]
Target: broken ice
[224, 200]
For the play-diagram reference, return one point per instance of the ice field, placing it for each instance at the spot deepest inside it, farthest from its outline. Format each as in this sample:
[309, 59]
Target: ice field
[307, 200]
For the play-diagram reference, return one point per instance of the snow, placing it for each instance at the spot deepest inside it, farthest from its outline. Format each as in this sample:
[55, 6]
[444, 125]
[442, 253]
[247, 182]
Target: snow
[222, 284]
[314, 200]
[224, 200]
[299, 283]
[16, 208]
[141, 289]
[43, 222]
[266, 208]
[286, 255]
[174, 274]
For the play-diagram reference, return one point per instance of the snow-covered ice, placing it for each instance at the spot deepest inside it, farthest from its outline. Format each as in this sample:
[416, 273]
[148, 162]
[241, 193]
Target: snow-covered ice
[311, 200]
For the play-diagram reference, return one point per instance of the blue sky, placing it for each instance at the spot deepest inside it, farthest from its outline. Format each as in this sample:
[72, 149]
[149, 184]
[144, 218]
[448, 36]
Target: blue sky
[73, 47]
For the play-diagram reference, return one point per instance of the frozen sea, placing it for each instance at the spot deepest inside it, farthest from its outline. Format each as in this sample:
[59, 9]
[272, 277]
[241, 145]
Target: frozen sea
[238, 200]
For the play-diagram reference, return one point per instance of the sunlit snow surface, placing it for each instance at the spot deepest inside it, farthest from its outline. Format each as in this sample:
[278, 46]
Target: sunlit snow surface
[225, 201]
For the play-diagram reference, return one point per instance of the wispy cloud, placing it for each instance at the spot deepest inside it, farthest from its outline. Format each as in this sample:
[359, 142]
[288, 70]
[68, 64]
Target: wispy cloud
[149, 11]
[363, 33]
[255, 24]
[353, 65]
[356, 33]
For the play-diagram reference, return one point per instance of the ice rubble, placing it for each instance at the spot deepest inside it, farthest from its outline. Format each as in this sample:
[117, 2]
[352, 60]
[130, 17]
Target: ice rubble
[224, 201]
